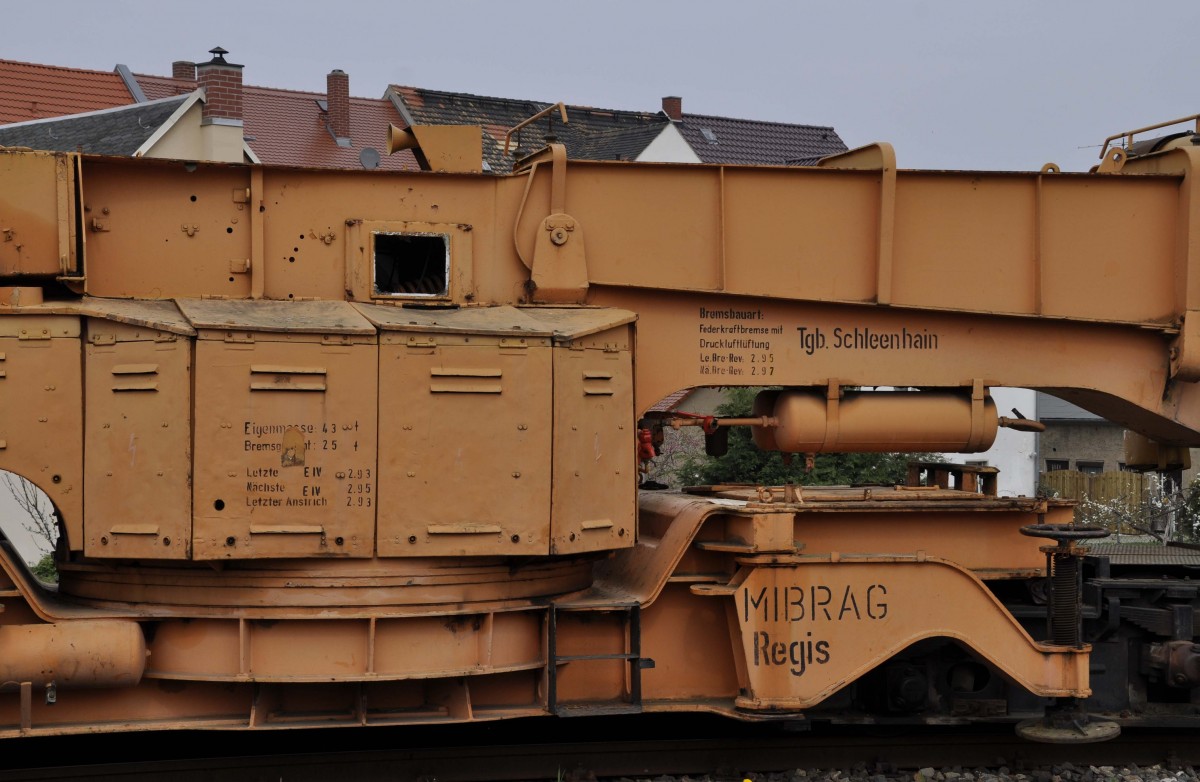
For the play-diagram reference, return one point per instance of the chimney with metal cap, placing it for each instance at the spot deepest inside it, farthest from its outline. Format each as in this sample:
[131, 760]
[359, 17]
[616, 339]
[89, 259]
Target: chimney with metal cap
[222, 84]
[337, 97]
[184, 70]
[672, 106]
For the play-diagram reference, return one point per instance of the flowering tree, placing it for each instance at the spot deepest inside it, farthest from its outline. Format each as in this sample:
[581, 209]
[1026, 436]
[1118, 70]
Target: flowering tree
[1160, 513]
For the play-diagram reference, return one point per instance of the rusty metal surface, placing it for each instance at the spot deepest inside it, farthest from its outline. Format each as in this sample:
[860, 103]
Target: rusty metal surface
[887, 422]
[37, 214]
[137, 443]
[440, 498]
[501, 321]
[151, 314]
[301, 317]
[285, 435]
[299, 588]
[91, 653]
[810, 626]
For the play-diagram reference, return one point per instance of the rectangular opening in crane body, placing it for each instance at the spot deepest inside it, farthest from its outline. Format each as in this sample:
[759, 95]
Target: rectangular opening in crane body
[410, 265]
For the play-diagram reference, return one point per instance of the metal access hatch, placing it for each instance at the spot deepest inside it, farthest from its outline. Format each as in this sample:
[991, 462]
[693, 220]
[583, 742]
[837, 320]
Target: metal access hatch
[504, 430]
[285, 421]
[138, 430]
[465, 427]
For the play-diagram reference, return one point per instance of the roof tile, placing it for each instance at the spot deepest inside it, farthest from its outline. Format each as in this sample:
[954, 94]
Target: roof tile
[116, 131]
[590, 133]
[749, 142]
[30, 91]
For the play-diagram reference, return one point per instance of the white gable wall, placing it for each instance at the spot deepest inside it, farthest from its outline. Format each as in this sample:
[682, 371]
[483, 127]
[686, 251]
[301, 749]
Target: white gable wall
[668, 147]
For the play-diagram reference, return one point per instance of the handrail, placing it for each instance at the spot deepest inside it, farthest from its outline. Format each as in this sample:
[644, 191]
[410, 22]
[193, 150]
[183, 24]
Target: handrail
[562, 110]
[1129, 134]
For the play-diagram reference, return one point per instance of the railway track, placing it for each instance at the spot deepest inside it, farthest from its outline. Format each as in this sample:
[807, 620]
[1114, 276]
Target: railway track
[574, 749]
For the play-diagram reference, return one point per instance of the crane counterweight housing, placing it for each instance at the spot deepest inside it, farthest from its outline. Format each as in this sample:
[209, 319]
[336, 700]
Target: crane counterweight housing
[363, 448]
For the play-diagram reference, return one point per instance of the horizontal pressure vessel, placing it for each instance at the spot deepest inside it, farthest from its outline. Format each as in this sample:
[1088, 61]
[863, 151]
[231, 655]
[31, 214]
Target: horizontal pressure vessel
[875, 421]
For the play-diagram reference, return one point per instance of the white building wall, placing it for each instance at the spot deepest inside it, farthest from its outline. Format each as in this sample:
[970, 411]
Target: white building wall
[1014, 453]
[669, 147]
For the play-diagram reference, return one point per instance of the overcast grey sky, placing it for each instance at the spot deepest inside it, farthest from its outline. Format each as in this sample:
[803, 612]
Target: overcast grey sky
[996, 85]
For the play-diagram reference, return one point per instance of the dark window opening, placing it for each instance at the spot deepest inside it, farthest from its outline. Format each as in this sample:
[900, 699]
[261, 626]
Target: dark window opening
[1056, 464]
[412, 264]
[1091, 468]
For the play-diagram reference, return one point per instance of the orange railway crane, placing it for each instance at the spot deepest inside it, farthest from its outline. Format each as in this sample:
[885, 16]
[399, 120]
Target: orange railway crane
[362, 448]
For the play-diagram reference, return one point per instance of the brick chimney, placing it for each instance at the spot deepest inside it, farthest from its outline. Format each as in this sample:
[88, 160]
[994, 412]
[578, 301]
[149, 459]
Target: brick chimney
[337, 97]
[183, 69]
[672, 106]
[222, 83]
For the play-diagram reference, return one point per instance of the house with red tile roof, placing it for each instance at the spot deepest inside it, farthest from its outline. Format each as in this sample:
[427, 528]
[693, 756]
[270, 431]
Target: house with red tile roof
[310, 129]
[198, 111]
[32, 92]
[203, 123]
[666, 136]
[752, 142]
[220, 118]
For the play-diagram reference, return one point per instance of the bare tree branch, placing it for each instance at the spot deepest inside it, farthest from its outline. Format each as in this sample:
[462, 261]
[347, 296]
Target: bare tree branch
[41, 521]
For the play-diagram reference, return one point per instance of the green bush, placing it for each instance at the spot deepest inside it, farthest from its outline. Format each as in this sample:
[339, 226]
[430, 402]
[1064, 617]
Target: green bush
[45, 570]
[744, 463]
